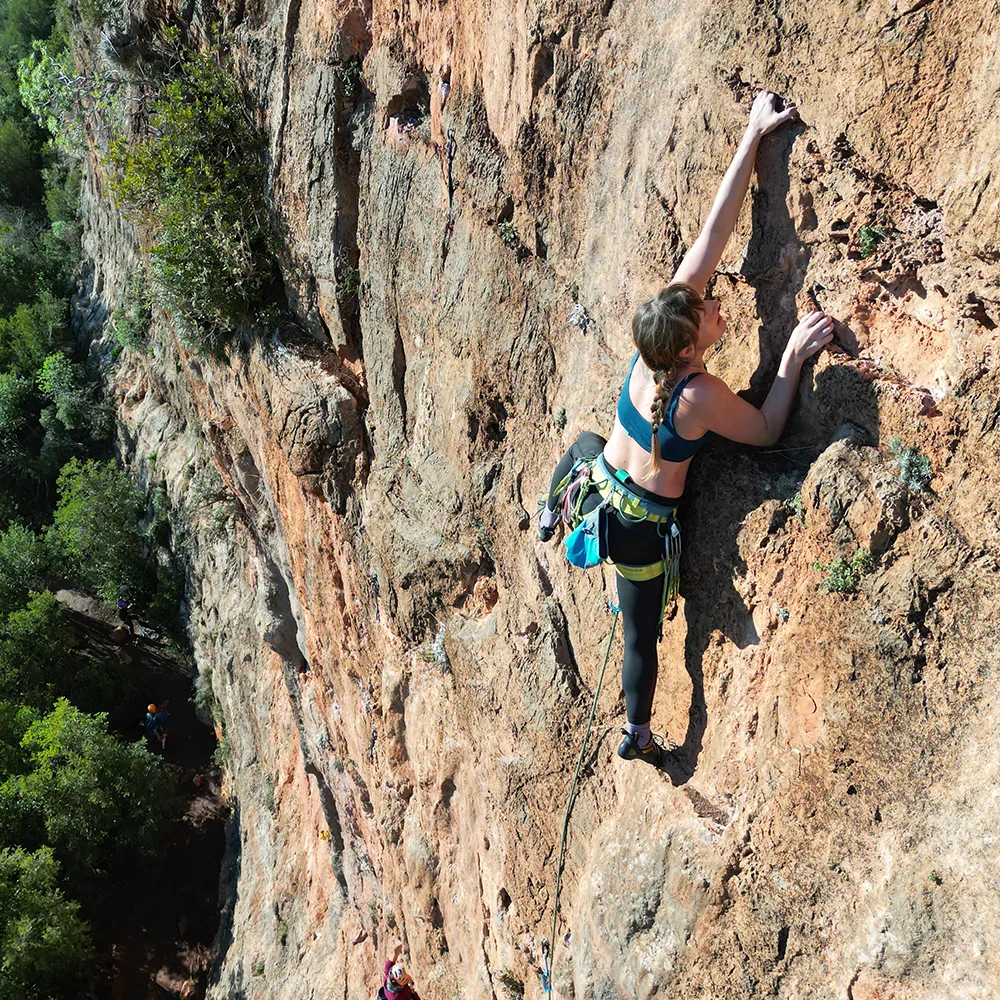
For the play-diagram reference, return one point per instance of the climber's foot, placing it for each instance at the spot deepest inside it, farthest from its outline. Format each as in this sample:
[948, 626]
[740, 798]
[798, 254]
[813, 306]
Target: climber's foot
[654, 752]
[547, 521]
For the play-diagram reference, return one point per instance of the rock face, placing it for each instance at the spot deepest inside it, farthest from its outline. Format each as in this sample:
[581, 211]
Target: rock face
[406, 673]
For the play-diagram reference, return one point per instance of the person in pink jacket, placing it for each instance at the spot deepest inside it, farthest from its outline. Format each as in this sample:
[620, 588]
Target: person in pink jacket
[397, 983]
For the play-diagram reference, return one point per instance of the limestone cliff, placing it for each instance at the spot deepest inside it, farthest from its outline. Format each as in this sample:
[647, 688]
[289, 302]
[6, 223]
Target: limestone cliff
[405, 672]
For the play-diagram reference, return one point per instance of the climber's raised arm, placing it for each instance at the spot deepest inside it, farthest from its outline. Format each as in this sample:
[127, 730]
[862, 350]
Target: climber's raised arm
[702, 259]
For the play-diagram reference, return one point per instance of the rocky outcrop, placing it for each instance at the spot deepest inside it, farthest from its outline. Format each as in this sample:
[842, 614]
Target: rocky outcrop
[405, 673]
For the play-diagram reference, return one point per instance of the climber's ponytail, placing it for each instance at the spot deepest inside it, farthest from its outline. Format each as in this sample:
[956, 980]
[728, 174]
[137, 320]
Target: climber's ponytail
[662, 328]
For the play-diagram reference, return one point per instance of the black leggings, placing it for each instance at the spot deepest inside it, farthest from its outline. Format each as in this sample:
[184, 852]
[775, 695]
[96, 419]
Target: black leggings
[640, 601]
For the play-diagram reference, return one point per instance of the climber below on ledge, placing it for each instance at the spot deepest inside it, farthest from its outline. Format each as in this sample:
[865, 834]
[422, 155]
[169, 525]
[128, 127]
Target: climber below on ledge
[637, 476]
[397, 983]
[156, 725]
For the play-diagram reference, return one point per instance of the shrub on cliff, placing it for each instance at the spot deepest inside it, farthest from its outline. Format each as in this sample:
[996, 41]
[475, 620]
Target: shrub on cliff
[196, 180]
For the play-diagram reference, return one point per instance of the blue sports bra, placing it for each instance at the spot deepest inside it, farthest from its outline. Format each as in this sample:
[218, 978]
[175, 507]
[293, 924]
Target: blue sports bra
[673, 447]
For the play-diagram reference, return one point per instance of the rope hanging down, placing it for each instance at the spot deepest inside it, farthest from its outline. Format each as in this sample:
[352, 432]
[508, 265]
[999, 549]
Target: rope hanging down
[550, 957]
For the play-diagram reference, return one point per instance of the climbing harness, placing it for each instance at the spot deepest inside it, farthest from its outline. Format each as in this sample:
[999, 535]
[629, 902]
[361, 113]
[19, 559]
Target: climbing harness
[549, 959]
[586, 544]
[450, 154]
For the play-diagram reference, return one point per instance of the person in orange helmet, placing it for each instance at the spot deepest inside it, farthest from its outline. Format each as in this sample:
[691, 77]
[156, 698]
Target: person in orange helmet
[397, 983]
[156, 725]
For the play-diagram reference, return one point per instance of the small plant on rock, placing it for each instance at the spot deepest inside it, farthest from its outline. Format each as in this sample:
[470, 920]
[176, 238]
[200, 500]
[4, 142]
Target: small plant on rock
[559, 420]
[348, 280]
[131, 320]
[510, 982]
[935, 878]
[843, 576]
[799, 507]
[348, 75]
[914, 467]
[508, 233]
[869, 237]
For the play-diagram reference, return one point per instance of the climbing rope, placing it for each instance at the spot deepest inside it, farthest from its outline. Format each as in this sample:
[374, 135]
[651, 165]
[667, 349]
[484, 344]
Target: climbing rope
[550, 957]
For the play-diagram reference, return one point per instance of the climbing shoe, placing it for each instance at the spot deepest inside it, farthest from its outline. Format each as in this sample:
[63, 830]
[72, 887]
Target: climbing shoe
[654, 752]
[547, 521]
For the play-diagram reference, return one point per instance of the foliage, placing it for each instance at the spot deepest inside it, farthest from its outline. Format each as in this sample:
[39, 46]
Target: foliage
[49, 86]
[348, 75]
[513, 986]
[32, 332]
[35, 652]
[15, 391]
[66, 385]
[559, 420]
[799, 507]
[23, 558]
[17, 266]
[63, 180]
[101, 802]
[130, 322]
[60, 98]
[96, 527]
[348, 280]
[869, 237]
[843, 577]
[915, 470]
[20, 181]
[22, 22]
[508, 233]
[197, 179]
[43, 941]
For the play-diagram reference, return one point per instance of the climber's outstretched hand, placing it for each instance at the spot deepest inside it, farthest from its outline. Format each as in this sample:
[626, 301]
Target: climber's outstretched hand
[764, 116]
[813, 332]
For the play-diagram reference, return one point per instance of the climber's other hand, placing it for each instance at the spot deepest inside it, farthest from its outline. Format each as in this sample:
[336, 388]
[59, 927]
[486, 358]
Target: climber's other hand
[813, 332]
[765, 116]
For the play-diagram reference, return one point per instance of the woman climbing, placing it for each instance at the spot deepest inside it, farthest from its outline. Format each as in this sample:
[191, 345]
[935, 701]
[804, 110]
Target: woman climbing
[636, 478]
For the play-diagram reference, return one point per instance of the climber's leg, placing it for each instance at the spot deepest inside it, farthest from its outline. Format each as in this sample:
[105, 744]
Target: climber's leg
[587, 445]
[640, 603]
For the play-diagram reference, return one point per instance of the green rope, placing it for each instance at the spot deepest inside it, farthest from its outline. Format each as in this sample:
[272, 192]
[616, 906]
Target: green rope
[572, 797]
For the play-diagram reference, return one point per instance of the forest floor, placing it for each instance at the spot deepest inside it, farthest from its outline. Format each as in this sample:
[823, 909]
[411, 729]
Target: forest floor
[154, 939]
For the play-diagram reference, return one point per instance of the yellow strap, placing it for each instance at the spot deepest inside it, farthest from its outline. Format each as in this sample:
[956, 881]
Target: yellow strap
[632, 508]
[639, 573]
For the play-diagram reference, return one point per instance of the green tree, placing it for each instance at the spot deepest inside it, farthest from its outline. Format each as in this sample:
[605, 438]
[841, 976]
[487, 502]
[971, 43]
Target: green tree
[35, 653]
[17, 268]
[43, 941]
[96, 527]
[22, 22]
[20, 181]
[23, 562]
[15, 391]
[102, 802]
[32, 332]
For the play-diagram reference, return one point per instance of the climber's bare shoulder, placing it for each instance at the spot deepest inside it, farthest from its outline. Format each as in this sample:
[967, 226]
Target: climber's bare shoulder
[708, 404]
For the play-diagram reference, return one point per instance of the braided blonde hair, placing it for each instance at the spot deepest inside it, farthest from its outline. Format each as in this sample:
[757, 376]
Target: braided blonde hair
[662, 328]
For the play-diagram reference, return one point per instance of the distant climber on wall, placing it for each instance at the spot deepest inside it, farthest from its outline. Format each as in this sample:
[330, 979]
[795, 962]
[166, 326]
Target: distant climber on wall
[397, 983]
[622, 494]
